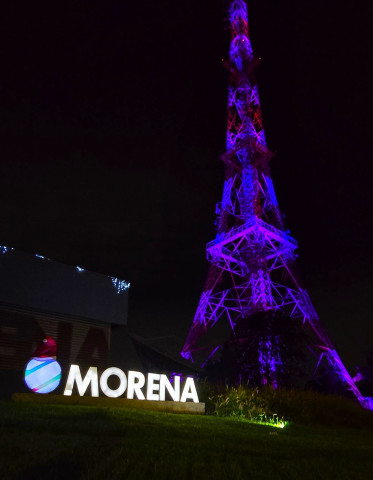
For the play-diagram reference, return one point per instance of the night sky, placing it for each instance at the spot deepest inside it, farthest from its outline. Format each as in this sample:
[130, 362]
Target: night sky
[113, 117]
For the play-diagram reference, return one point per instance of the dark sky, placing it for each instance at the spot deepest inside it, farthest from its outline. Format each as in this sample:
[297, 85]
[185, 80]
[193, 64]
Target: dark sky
[113, 120]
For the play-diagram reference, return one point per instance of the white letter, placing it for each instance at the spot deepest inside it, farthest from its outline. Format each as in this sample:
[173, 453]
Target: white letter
[189, 391]
[174, 391]
[135, 387]
[82, 385]
[122, 382]
[151, 387]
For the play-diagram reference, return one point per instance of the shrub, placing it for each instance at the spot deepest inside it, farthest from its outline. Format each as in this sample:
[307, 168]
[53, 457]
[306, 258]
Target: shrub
[273, 406]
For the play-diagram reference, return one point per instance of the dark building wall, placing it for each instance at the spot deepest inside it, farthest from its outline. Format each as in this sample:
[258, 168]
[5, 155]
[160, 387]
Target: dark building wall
[85, 313]
[42, 284]
[123, 353]
[79, 341]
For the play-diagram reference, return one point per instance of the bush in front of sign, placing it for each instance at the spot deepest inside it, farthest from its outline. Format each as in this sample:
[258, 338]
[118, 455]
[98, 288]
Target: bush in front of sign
[270, 406]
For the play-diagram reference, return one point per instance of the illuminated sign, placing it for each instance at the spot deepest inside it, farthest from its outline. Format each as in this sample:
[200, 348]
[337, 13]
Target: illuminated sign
[152, 387]
[43, 372]
[42, 375]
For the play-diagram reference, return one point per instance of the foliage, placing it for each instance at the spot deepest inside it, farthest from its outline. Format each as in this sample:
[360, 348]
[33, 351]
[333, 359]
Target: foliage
[302, 407]
[261, 344]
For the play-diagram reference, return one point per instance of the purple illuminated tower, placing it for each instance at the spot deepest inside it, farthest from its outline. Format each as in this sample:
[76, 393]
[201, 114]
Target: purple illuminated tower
[252, 258]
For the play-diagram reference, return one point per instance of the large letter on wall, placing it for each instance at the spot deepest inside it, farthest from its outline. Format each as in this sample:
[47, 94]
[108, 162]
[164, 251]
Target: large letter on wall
[174, 391]
[152, 387]
[82, 385]
[122, 382]
[189, 391]
[136, 381]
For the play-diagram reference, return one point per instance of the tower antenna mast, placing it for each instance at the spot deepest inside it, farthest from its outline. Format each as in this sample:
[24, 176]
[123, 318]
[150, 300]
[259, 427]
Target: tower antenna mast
[252, 258]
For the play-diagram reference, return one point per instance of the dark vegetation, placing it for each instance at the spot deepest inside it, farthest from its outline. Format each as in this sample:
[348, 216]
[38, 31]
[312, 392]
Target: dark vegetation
[294, 406]
[270, 348]
[282, 347]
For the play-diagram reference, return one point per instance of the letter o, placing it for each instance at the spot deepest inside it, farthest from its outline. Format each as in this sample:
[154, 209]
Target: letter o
[122, 382]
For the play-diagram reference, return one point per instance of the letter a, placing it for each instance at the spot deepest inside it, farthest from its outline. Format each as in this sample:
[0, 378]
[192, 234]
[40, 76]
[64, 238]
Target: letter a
[189, 391]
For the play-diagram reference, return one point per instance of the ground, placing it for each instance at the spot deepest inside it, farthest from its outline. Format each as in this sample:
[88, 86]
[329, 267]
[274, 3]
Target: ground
[76, 442]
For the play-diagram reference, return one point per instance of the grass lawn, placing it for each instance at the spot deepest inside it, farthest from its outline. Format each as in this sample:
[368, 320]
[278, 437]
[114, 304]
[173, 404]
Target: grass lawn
[76, 442]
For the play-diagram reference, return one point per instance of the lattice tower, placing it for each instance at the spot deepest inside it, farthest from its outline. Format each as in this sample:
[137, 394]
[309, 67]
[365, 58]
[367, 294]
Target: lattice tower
[252, 259]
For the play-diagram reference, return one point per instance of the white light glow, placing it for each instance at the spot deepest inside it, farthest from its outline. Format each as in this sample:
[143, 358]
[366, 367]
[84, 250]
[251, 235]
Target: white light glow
[152, 387]
[136, 380]
[156, 385]
[120, 285]
[42, 375]
[174, 390]
[82, 385]
[189, 392]
[122, 382]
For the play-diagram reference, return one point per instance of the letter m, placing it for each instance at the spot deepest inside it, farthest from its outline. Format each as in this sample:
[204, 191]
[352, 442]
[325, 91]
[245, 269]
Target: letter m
[82, 385]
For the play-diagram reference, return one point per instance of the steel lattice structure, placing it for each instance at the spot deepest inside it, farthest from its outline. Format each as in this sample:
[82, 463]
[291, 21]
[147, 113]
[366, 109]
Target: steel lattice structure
[252, 258]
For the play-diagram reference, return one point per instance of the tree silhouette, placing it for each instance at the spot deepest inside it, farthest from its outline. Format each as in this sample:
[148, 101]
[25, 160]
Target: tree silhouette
[266, 348]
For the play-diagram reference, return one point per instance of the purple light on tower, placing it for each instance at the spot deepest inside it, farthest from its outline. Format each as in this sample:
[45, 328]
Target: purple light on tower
[252, 257]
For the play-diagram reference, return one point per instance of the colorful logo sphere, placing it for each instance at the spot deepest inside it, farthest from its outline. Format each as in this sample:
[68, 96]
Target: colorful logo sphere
[42, 375]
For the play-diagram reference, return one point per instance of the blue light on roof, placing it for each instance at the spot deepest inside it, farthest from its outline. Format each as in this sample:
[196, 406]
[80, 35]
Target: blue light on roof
[120, 285]
[5, 249]
[80, 269]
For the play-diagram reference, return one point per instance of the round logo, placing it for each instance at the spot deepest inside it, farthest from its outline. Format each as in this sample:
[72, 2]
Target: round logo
[42, 375]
